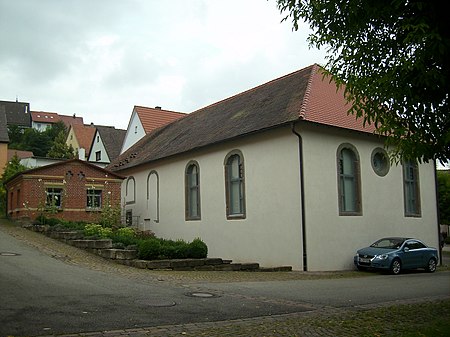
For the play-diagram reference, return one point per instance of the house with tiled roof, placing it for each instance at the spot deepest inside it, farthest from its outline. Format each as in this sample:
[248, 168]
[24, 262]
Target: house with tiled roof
[72, 190]
[80, 138]
[279, 174]
[144, 120]
[41, 120]
[17, 113]
[106, 145]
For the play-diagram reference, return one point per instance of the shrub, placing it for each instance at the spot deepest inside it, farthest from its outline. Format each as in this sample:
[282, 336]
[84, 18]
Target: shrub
[43, 220]
[76, 225]
[125, 235]
[149, 249]
[110, 215]
[198, 249]
[154, 249]
[174, 249]
[97, 230]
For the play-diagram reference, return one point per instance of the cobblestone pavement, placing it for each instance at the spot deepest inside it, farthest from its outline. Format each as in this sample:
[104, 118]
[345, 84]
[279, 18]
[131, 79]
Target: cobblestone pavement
[296, 324]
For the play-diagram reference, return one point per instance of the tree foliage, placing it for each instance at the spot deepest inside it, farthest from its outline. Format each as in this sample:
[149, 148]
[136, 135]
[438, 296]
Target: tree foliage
[60, 149]
[444, 196]
[12, 168]
[393, 57]
[39, 142]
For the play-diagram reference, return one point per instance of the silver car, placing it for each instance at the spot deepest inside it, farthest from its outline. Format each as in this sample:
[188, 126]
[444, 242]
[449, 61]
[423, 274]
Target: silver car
[395, 254]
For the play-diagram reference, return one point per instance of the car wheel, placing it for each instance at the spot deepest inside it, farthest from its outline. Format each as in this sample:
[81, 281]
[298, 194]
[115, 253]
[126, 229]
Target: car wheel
[396, 267]
[431, 266]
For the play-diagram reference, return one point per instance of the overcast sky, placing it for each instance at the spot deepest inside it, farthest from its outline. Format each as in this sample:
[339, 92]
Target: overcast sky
[99, 58]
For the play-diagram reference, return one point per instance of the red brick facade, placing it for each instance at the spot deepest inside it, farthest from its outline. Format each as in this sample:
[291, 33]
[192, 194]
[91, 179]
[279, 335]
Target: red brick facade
[61, 191]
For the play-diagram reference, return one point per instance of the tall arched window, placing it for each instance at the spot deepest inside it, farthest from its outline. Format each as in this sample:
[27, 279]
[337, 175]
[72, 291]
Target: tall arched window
[235, 185]
[411, 189]
[130, 191]
[349, 180]
[192, 191]
[153, 196]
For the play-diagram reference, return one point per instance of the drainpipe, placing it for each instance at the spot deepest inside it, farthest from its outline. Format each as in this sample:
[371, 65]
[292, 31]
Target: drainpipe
[438, 213]
[302, 196]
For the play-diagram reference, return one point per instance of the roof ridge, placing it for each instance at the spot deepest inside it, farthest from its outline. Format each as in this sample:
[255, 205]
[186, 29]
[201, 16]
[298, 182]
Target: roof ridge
[302, 112]
[255, 88]
[147, 107]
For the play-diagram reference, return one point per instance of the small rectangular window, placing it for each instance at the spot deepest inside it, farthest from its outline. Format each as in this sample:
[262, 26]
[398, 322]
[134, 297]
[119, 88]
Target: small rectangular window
[94, 199]
[98, 155]
[54, 197]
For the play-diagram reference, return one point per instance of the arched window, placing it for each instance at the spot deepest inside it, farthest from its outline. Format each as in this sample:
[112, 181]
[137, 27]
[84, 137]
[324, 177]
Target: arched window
[411, 189]
[153, 196]
[130, 191]
[235, 185]
[349, 180]
[192, 192]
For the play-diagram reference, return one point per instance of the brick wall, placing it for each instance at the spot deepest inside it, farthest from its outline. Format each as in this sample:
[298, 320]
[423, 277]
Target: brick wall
[27, 192]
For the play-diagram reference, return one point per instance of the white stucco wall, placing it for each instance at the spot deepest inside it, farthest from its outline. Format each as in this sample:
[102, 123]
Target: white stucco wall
[135, 131]
[333, 239]
[271, 232]
[98, 145]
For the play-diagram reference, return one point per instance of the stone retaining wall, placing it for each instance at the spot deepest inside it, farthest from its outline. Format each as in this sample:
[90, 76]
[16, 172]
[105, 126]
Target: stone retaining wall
[104, 248]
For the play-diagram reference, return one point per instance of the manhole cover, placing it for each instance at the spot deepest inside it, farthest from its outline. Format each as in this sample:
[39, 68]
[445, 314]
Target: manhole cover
[8, 254]
[156, 302]
[202, 295]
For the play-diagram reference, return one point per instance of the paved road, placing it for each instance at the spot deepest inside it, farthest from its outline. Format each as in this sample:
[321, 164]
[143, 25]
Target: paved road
[45, 291]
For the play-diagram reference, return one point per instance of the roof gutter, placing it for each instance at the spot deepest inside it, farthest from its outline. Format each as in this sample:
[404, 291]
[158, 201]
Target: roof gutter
[302, 196]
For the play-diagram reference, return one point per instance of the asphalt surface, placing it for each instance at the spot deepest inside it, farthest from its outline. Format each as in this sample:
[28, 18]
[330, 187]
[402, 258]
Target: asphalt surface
[50, 288]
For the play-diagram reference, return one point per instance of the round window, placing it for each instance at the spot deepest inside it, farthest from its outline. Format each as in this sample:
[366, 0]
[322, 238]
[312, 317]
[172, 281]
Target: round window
[380, 162]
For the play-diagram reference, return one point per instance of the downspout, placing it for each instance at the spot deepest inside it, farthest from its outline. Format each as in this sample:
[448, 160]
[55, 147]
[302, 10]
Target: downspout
[302, 196]
[438, 213]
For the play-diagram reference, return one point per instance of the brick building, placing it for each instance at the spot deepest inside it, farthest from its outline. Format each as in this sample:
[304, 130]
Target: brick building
[72, 190]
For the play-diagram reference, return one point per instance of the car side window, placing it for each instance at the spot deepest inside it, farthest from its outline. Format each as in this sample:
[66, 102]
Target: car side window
[414, 245]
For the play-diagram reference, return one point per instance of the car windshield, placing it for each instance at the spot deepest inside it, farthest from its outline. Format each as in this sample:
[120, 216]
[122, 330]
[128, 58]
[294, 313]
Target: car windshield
[390, 243]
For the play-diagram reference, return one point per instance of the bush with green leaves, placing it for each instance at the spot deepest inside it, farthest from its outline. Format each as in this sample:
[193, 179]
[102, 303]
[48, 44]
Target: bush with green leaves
[198, 249]
[157, 249]
[125, 235]
[94, 230]
[149, 249]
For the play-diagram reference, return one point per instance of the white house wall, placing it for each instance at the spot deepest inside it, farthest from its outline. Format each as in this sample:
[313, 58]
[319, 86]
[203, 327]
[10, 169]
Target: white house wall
[98, 145]
[271, 232]
[135, 131]
[332, 239]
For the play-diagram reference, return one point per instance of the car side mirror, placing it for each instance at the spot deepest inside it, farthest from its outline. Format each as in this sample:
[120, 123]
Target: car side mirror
[406, 249]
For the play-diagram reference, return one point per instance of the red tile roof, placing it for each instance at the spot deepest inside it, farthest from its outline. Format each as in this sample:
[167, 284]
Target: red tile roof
[53, 117]
[153, 118]
[302, 96]
[20, 154]
[324, 103]
[85, 134]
